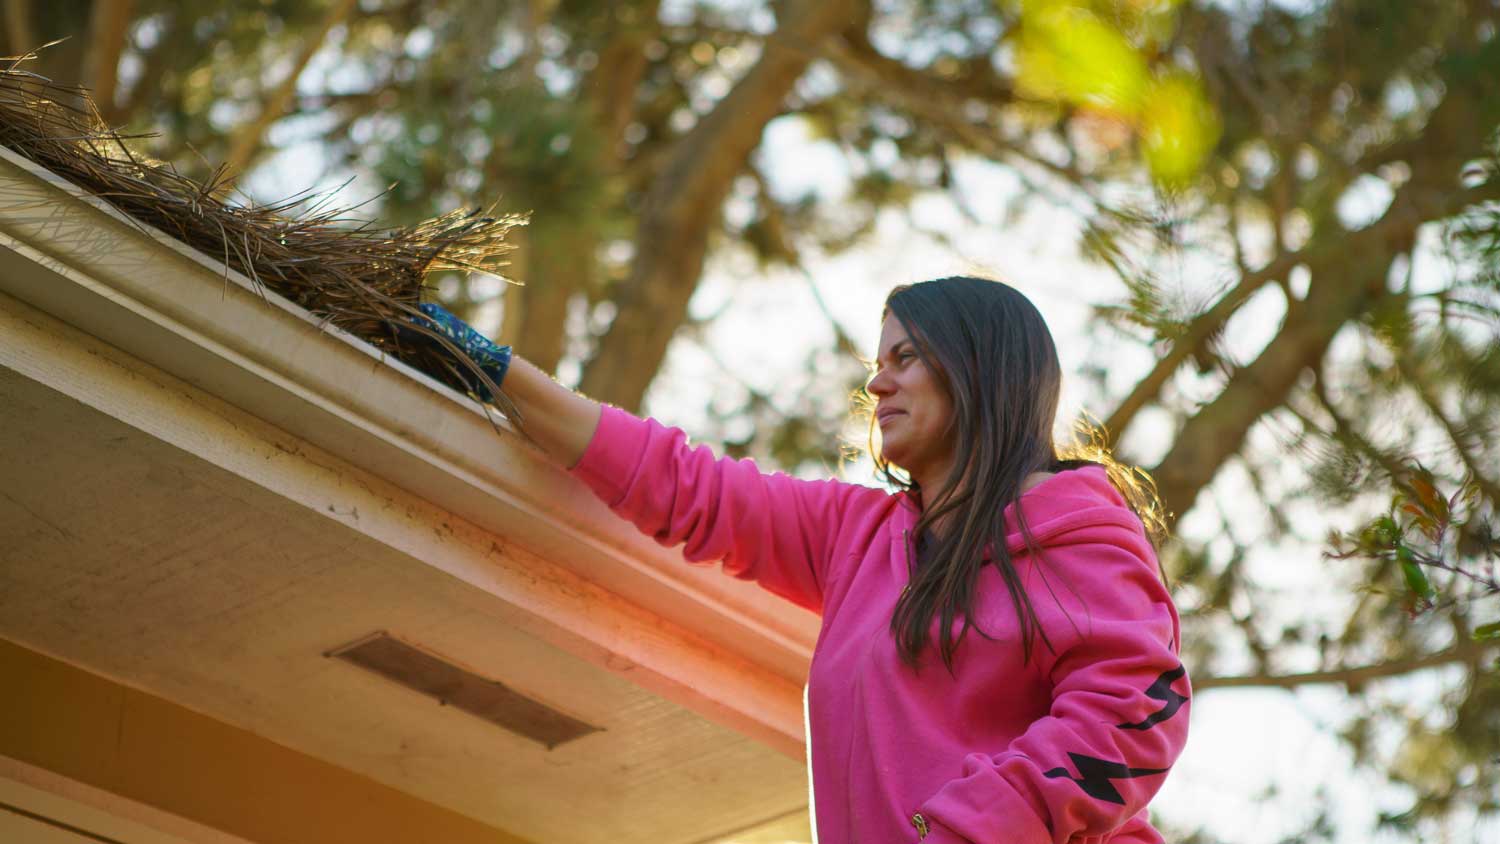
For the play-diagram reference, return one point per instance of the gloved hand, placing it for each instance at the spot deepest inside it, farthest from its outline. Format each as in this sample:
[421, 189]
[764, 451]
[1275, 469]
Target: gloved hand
[492, 359]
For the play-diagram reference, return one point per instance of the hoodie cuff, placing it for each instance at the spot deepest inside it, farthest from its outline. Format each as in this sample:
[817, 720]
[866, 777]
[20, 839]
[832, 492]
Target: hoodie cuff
[613, 454]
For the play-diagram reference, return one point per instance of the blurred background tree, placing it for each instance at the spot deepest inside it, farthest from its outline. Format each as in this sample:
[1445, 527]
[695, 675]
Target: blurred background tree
[1322, 173]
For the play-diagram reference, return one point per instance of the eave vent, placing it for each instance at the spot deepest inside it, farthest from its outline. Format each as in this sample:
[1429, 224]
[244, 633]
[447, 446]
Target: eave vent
[491, 700]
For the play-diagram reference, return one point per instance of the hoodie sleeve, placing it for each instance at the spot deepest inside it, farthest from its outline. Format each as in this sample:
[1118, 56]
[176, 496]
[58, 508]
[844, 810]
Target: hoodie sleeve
[1117, 722]
[771, 528]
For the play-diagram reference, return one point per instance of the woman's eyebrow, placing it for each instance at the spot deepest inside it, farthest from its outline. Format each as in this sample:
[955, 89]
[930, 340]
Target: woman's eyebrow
[896, 346]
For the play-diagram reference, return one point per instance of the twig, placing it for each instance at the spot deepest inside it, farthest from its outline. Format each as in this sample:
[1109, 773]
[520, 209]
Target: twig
[349, 273]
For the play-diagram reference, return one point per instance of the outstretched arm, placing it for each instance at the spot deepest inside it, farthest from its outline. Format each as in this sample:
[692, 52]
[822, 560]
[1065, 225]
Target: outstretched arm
[776, 530]
[560, 421]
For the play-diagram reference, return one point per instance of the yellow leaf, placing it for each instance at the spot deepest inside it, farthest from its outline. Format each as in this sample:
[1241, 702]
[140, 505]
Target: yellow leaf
[1178, 129]
[1070, 55]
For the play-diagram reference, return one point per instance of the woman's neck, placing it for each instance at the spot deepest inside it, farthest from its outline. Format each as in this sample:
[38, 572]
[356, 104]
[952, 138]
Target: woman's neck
[938, 527]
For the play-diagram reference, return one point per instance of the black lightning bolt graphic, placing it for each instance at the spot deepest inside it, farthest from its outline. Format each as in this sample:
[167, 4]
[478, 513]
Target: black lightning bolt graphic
[1094, 776]
[1161, 690]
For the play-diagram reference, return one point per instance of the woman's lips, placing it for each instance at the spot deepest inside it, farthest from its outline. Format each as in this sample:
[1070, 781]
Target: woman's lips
[884, 416]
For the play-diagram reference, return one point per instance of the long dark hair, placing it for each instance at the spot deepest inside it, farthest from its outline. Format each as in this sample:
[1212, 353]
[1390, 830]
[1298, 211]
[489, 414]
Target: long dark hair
[990, 349]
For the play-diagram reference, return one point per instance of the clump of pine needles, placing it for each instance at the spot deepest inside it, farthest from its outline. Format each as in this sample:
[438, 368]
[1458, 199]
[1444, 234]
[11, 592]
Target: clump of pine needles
[350, 273]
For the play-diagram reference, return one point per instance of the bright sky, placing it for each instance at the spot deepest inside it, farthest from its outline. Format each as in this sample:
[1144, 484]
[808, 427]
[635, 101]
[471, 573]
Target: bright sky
[1259, 762]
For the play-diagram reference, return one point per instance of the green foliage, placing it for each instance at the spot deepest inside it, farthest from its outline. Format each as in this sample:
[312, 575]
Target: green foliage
[1426, 533]
[1108, 58]
[1212, 151]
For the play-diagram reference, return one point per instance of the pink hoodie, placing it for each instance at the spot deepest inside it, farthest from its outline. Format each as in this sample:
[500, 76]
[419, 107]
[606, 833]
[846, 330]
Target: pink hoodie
[1066, 747]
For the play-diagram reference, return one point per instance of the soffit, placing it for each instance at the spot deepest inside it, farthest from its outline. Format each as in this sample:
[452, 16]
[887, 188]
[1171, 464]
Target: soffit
[144, 562]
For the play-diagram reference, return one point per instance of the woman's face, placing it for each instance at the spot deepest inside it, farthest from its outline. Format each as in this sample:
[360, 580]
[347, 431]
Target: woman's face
[912, 409]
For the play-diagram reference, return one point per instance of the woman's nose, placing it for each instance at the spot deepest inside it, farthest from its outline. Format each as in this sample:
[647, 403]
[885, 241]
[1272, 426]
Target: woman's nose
[880, 385]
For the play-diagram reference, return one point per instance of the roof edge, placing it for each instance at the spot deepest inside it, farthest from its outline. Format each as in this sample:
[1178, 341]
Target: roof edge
[179, 310]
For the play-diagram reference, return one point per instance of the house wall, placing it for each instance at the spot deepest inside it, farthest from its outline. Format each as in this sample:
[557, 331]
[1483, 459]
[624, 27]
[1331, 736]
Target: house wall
[91, 730]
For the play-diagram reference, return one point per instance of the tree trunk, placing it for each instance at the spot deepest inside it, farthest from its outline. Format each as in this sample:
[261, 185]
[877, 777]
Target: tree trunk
[156, 65]
[611, 88]
[246, 142]
[62, 61]
[19, 34]
[683, 206]
[561, 254]
[108, 22]
[560, 263]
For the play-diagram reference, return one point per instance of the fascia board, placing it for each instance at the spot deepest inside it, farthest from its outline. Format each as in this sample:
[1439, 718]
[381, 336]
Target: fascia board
[191, 316]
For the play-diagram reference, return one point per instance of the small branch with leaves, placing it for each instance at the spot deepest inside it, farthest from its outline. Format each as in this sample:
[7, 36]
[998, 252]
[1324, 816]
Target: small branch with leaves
[1445, 553]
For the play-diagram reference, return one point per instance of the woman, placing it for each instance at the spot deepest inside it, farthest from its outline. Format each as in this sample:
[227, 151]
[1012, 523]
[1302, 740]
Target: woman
[1056, 722]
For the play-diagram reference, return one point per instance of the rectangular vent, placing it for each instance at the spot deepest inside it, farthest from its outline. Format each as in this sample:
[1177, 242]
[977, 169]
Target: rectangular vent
[453, 686]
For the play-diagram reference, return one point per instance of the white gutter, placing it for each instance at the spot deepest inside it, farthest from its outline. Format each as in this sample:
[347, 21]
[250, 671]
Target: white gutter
[80, 261]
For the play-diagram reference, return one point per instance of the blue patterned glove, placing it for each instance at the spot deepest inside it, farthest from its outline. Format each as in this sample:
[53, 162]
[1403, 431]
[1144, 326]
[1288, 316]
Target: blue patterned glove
[492, 359]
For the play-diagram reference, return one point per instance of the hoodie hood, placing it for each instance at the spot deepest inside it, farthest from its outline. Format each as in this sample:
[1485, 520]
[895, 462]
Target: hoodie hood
[1082, 499]
[1061, 506]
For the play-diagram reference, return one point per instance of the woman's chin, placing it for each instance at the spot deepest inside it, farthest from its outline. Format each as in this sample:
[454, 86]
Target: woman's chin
[894, 459]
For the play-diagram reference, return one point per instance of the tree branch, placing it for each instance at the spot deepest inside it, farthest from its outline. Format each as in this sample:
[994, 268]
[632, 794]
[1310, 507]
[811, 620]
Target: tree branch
[1218, 430]
[684, 203]
[1353, 677]
[852, 52]
[1344, 431]
[20, 37]
[1462, 441]
[560, 254]
[1201, 328]
[108, 22]
[155, 65]
[247, 140]
[1346, 280]
[611, 86]
[936, 102]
